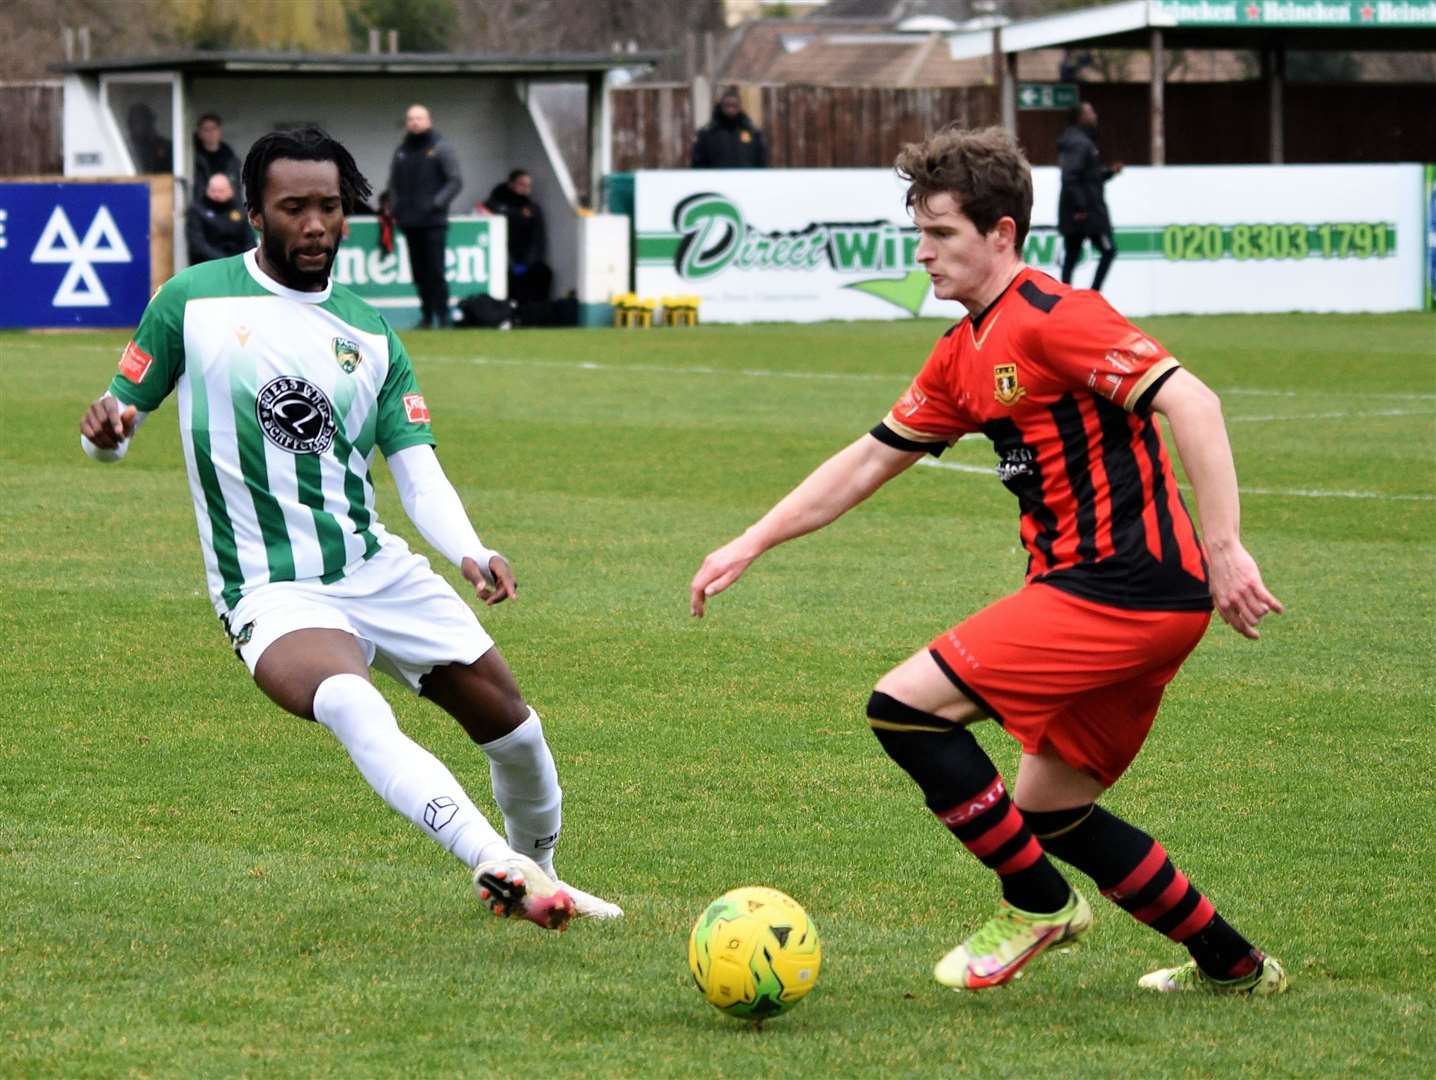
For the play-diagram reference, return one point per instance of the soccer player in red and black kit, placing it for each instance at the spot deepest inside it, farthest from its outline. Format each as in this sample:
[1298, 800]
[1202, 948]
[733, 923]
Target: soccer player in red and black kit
[1119, 587]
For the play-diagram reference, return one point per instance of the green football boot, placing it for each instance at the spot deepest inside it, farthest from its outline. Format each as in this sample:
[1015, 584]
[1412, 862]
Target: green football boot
[1007, 941]
[1269, 978]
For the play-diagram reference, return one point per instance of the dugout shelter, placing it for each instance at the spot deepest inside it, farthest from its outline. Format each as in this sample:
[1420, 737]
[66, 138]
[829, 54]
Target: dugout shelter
[1270, 28]
[134, 116]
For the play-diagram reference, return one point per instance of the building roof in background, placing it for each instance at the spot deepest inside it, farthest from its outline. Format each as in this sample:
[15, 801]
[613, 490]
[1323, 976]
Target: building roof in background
[552, 64]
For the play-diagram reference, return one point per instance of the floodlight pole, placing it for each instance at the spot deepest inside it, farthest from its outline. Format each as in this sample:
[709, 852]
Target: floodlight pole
[1158, 83]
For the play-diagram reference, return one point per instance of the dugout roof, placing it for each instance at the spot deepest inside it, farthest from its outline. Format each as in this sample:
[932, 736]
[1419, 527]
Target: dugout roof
[1269, 27]
[272, 63]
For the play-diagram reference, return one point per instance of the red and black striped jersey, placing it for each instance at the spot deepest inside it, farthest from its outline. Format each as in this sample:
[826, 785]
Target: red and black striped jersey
[1063, 386]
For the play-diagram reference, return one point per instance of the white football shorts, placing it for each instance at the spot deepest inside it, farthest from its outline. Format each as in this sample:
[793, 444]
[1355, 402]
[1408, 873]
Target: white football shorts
[407, 619]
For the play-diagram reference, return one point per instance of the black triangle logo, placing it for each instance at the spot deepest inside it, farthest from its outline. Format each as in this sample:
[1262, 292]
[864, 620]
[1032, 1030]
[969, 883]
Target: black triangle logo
[781, 933]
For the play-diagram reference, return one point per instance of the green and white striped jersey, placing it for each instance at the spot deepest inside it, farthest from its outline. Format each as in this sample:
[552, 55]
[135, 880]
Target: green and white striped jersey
[283, 397]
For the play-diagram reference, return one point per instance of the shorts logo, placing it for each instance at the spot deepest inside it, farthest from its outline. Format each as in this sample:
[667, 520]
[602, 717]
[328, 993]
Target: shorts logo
[135, 363]
[439, 811]
[415, 409]
[295, 415]
[348, 355]
[1008, 390]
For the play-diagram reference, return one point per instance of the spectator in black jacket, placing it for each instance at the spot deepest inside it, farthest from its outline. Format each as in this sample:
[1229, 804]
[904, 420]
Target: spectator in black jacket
[216, 226]
[213, 155]
[729, 140]
[1082, 206]
[423, 180]
[530, 277]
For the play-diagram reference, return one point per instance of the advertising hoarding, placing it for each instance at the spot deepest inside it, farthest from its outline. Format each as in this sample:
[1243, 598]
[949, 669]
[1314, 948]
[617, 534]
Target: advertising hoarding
[74, 254]
[799, 245]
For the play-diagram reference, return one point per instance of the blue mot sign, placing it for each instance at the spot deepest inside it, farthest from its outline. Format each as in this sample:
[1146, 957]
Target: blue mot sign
[74, 254]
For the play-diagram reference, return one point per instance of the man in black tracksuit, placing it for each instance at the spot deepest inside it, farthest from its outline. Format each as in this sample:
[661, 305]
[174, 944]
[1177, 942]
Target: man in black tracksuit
[729, 140]
[423, 179]
[1082, 207]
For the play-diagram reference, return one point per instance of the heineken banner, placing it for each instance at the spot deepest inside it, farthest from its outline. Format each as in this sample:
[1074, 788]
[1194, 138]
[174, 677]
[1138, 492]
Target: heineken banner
[1352, 13]
[476, 262]
[793, 245]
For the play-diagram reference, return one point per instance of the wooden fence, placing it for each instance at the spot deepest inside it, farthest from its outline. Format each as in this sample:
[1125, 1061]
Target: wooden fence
[1206, 123]
[31, 128]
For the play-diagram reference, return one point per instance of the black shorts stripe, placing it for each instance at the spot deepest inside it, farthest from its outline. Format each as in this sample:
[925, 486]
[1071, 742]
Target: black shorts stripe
[957, 681]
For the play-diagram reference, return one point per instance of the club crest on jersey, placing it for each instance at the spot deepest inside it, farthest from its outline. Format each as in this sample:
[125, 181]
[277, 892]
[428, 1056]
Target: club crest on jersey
[348, 355]
[1008, 390]
[295, 415]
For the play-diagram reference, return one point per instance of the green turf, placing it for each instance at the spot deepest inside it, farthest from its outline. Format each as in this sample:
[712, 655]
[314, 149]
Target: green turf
[194, 885]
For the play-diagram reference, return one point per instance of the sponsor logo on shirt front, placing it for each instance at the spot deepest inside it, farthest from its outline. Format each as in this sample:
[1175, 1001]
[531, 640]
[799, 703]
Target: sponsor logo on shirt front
[295, 415]
[415, 409]
[1008, 391]
[135, 362]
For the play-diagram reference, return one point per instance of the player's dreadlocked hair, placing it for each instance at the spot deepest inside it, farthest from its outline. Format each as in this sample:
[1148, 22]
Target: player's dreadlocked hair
[985, 169]
[303, 144]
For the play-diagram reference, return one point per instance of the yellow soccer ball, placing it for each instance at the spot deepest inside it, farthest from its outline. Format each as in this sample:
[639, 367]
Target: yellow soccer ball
[754, 953]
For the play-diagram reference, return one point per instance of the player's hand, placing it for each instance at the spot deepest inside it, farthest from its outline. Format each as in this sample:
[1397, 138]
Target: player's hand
[1079, 215]
[1117, 167]
[719, 570]
[494, 587]
[107, 424]
[1238, 592]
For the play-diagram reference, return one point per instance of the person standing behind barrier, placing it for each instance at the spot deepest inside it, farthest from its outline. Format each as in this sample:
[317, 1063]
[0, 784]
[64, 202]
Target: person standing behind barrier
[530, 277]
[212, 155]
[1082, 207]
[423, 180]
[216, 226]
[730, 140]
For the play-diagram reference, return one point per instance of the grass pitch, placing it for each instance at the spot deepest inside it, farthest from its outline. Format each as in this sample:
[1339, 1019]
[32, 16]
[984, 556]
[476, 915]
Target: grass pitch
[195, 885]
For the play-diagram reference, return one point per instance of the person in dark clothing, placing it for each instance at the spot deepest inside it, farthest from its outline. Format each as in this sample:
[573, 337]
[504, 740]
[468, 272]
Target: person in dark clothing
[1082, 206]
[213, 155]
[729, 140]
[530, 277]
[152, 151]
[216, 226]
[423, 180]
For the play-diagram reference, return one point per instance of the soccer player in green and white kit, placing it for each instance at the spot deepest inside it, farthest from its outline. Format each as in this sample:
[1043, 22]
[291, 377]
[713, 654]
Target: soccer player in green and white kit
[286, 384]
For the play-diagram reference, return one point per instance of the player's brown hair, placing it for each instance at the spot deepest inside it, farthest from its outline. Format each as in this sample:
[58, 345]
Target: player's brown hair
[984, 168]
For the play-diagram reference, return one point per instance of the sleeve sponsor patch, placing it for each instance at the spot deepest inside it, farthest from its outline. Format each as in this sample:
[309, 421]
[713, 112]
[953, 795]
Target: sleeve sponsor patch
[415, 409]
[135, 363]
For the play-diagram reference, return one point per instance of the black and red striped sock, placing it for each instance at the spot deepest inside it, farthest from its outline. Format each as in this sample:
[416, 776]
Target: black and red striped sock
[991, 827]
[961, 786]
[1133, 871]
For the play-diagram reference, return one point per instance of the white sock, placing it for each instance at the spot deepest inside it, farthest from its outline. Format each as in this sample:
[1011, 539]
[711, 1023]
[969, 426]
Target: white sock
[409, 778]
[526, 789]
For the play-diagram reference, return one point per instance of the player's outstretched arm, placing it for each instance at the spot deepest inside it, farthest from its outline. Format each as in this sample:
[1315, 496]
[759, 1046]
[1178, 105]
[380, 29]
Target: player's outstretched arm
[1194, 413]
[832, 489]
[107, 427]
[437, 512]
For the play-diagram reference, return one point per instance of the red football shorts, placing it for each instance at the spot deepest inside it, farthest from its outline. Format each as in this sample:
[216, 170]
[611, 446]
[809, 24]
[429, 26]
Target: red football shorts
[1064, 674]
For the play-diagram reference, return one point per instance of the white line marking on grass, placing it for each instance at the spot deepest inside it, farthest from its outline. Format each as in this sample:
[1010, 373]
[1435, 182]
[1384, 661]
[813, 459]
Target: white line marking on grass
[1257, 391]
[1328, 415]
[1296, 493]
[644, 369]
